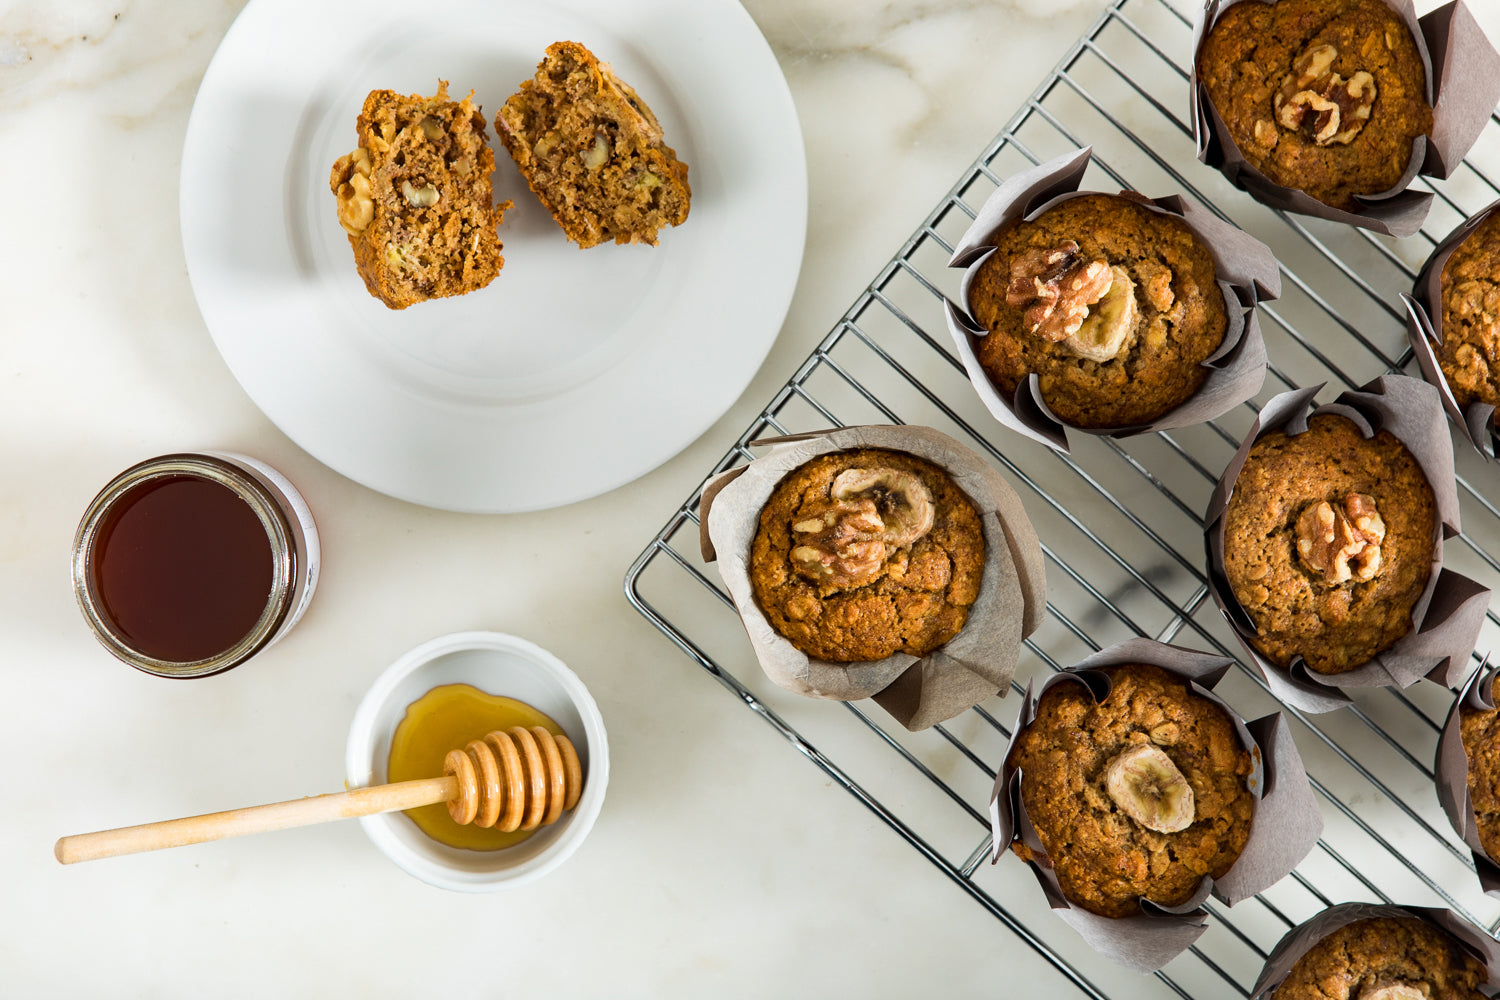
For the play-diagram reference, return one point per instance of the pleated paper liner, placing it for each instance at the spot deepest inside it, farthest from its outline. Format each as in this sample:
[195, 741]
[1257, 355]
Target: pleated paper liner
[918, 692]
[1285, 826]
[1446, 618]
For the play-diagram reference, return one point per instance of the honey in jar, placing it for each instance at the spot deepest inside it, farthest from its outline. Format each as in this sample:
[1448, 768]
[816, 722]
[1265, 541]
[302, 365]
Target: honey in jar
[447, 717]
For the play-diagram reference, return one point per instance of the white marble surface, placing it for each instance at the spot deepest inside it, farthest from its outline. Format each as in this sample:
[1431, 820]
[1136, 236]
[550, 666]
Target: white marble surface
[723, 864]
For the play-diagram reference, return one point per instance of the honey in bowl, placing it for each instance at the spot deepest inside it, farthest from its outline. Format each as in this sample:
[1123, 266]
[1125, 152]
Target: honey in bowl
[447, 717]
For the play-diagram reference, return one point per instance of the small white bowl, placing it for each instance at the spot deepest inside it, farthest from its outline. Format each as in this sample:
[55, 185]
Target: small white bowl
[501, 665]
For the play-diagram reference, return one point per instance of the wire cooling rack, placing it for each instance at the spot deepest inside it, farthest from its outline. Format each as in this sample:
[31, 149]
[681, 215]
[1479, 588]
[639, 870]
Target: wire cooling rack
[1122, 531]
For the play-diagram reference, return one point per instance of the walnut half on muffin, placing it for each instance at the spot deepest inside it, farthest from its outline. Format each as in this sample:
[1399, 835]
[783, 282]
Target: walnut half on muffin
[1138, 796]
[1112, 305]
[1324, 96]
[416, 198]
[861, 554]
[1328, 543]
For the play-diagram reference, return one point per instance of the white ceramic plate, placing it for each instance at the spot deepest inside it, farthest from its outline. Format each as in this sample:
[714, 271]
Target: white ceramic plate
[574, 371]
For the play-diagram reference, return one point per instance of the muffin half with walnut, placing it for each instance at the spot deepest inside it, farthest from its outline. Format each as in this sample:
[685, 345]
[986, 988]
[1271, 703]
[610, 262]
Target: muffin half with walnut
[1324, 96]
[417, 200]
[861, 554]
[1328, 543]
[1138, 796]
[1112, 306]
[592, 151]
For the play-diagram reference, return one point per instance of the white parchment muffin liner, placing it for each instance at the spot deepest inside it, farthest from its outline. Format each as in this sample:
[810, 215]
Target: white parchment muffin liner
[1446, 618]
[1301, 939]
[1246, 270]
[1451, 774]
[1463, 84]
[1424, 329]
[917, 692]
[1284, 829]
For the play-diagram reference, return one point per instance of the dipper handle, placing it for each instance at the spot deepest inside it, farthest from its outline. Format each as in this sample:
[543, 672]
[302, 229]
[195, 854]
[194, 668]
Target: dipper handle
[515, 779]
[254, 819]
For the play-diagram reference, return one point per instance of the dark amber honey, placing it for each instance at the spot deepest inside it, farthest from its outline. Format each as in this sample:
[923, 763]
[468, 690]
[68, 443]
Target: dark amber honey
[182, 568]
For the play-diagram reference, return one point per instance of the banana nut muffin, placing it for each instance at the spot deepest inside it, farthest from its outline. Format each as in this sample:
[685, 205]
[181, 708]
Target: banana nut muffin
[592, 151]
[1324, 96]
[1328, 543]
[1112, 305]
[1470, 352]
[416, 198]
[1385, 958]
[861, 554]
[1480, 730]
[1137, 796]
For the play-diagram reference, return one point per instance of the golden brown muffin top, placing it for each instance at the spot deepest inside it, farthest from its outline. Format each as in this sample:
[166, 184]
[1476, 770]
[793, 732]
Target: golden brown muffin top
[1113, 306]
[1362, 958]
[864, 553]
[1328, 542]
[1324, 96]
[1107, 859]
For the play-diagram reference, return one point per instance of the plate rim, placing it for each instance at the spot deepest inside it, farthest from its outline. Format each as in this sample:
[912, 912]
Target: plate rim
[771, 92]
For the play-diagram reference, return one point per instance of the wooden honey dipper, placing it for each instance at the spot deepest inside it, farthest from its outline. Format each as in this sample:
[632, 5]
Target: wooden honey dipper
[515, 779]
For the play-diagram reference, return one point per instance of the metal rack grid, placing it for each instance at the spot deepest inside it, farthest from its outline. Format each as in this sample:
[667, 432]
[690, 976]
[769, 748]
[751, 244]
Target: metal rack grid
[1121, 527]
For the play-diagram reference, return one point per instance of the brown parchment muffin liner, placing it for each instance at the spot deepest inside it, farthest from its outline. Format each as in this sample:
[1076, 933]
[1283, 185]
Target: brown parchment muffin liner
[1451, 773]
[1446, 618]
[1300, 939]
[1246, 270]
[917, 692]
[1284, 829]
[1463, 84]
[1424, 329]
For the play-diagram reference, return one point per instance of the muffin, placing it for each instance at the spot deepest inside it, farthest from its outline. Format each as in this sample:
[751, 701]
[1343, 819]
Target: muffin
[1469, 354]
[1385, 958]
[1328, 543]
[1480, 731]
[1113, 306]
[1324, 96]
[592, 151]
[861, 554]
[416, 198]
[1138, 796]
[971, 627]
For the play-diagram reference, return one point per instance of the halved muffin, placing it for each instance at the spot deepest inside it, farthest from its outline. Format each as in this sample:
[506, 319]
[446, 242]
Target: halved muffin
[592, 151]
[416, 198]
